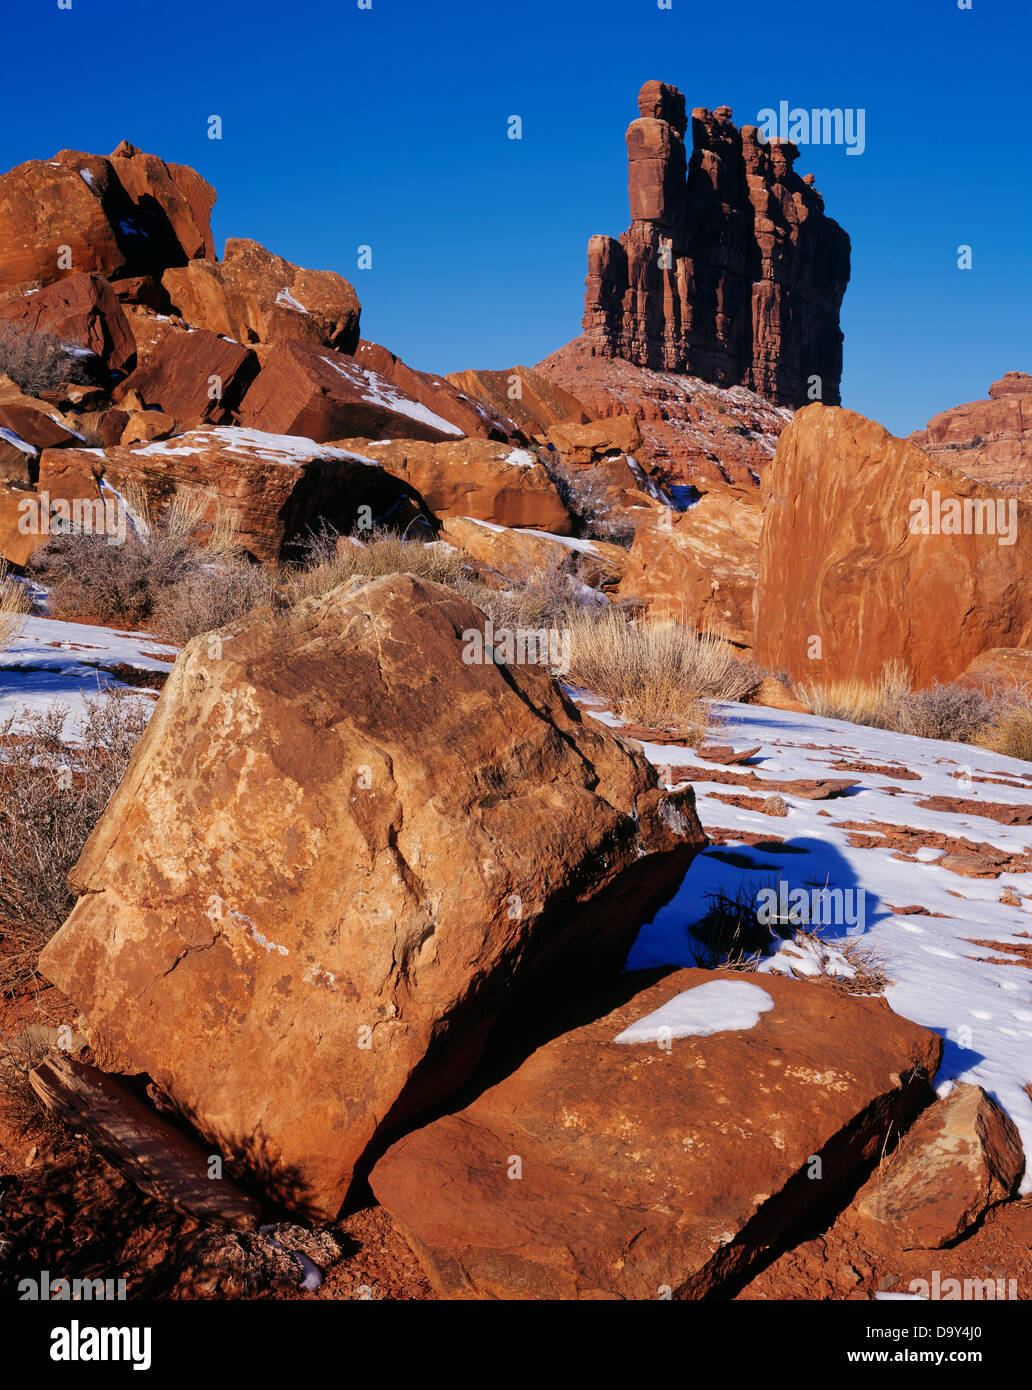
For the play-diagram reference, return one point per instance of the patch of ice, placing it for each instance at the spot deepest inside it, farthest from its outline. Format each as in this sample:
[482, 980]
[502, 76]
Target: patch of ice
[86, 177]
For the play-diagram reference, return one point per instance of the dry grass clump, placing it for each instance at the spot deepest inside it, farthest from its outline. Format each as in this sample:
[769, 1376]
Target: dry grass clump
[540, 596]
[52, 794]
[175, 573]
[956, 713]
[585, 495]
[1010, 731]
[330, 559]
[869, 976]
[731, 936]
[20, 1107]
[855, 701]
[42, 362]
[656, 673]
[774, 806]
[14, 604]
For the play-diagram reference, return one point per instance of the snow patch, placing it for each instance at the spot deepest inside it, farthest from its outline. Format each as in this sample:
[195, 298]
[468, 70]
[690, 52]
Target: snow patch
[721, 1006]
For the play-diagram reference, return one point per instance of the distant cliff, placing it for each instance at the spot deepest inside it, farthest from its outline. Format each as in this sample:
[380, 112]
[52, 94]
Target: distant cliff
[730, 270]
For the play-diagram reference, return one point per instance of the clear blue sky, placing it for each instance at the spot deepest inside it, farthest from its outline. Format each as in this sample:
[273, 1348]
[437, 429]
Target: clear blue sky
[387, 127]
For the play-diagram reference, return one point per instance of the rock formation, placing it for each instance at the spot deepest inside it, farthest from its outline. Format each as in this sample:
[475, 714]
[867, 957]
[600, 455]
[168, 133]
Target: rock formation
[872, 552]
[478, 478]
[128, 215]
[658, 1151]
[304, 388]
[257, 297]
[698, 566]
[692, 432]
[277, 489]
[990, 440]
[730, 270]
[341, 852]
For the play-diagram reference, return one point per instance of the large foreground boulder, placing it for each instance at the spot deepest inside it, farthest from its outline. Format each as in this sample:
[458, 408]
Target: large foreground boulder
[340, 851]
[661, 1148]
[871, 552]
[254, 296]
[962, 1156]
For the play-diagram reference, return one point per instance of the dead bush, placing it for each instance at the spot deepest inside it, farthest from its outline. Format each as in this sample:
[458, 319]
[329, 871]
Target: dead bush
[41, 362]
[585, 496]
[52, 793]
[176, 574]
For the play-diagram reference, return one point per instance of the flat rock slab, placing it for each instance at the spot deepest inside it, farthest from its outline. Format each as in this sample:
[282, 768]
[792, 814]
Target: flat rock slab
[606, 1167]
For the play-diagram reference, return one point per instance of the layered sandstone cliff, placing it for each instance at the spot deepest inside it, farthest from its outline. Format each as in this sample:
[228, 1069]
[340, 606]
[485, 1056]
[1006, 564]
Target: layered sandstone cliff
[730, 270]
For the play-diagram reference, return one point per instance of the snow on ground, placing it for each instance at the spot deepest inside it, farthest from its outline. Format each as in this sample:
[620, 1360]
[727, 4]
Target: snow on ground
[977, 999]
[64, 663]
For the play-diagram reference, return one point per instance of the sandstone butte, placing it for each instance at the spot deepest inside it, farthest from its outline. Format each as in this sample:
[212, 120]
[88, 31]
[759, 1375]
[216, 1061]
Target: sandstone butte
[842, 574]
[730, 269]
[652, 1163]
[340, 853]
[991, 440]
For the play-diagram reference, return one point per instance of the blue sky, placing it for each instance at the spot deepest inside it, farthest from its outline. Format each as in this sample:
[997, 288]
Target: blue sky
[387, 127]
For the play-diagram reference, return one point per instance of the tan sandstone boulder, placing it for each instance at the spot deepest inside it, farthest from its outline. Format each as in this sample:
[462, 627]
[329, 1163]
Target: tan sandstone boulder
[126, 215]
[277, 488]
[307, 389]
[252, 295]
[872, 552]
[340, 852]
[698, 566]
[519, 554]
[473, 478]
[962, 1156]
[659, 1149]
[197, 378]
[81, 310]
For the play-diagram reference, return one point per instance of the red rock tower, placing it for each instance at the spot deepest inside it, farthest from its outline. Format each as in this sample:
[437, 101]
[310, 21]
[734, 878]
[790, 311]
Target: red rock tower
[730, 270]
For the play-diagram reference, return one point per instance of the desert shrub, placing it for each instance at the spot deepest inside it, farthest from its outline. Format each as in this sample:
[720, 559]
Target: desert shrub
[214, 597]
[173, 574]
[655, 673]
[953, 712]
[956, 713]
[774, 806]
[41, 362]
[585, 496]
[52, 793]
[870, 702]
[544, 595]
